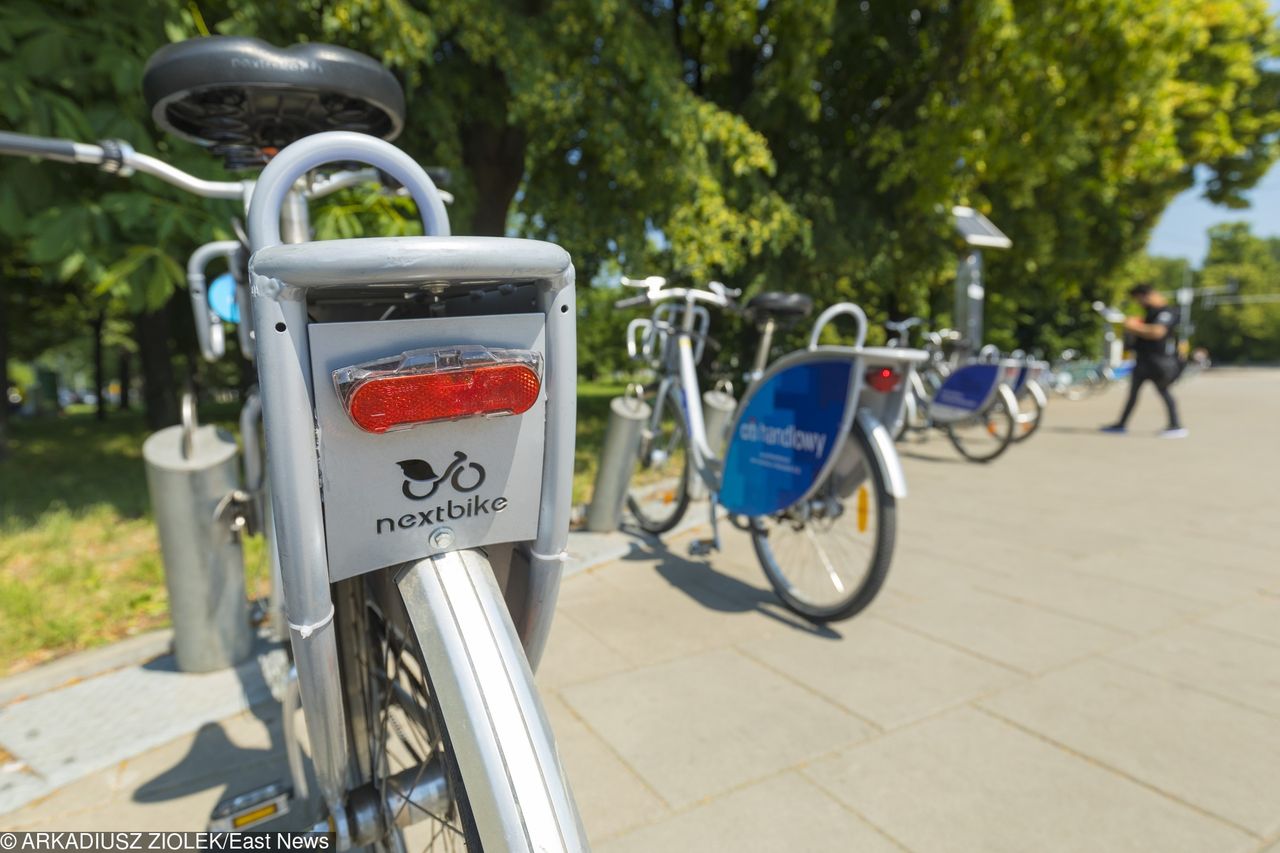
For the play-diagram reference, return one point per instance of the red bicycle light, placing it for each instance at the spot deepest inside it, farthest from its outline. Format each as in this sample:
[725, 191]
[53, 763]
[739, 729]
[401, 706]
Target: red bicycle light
[439, 384]
[883, 379]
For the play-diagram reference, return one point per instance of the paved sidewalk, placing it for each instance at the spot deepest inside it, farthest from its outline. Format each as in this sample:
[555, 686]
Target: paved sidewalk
[1078, 648]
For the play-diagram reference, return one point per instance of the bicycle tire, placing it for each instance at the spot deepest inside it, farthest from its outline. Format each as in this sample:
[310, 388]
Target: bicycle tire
[651, 517]
[872, 580]
[997, 412]
[384, 599]
[1026, 428]
[368, 611]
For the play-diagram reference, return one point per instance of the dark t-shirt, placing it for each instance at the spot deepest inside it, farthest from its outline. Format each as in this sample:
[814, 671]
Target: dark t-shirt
[1167, 316]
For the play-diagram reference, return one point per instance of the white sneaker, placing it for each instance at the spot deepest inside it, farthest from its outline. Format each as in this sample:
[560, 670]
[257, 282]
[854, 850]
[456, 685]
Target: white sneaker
[1180, 432]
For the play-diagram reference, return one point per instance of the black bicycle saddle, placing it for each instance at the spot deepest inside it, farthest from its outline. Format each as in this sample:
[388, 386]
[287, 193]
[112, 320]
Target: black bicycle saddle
[780, 305]
[244, 98]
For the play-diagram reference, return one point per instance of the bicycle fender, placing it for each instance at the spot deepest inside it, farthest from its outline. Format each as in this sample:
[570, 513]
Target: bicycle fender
[895, 479]
[1009, 399]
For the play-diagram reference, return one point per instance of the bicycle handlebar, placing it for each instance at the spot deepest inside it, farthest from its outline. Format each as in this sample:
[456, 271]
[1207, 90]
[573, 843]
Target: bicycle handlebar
[119, 158]
[632, 301]
[62, 150]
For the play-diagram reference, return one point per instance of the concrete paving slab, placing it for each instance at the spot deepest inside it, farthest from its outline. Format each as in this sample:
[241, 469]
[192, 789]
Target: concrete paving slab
[573, 655]
[1027, 638]
[881, 672]
[611, 798]
[1147, 566]
[693, 709]
[967, 782]
[700, 726]
[1238, 668]
[1258, 617]
[146, 707]
[670, 607]
[756, 819]
[1206, 752]
[1087, 597]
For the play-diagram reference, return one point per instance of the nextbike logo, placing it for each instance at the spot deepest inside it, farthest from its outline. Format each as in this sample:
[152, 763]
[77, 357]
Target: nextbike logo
[787, 437]
[421, 483]
[460, 471]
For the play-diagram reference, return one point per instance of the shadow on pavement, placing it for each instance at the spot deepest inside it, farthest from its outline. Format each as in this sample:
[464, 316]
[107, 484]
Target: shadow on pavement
[214, 761]
[716, 590]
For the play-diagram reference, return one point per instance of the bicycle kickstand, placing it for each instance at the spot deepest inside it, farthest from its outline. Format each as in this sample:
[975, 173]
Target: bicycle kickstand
[703, 547]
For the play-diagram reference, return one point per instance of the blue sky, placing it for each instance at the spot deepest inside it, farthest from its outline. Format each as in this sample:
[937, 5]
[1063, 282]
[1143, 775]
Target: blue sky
[1181, 230]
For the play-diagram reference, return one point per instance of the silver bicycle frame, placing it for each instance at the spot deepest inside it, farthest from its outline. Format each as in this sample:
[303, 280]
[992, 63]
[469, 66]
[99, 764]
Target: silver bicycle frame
[281, 277]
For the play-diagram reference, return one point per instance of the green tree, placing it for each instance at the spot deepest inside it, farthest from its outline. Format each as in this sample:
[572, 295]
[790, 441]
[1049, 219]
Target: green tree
[1232, 329]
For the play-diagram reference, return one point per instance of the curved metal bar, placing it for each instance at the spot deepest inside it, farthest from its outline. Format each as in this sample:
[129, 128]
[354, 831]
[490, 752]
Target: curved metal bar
[171, 175]
[280, 175]
[209, 331]
[834, 311]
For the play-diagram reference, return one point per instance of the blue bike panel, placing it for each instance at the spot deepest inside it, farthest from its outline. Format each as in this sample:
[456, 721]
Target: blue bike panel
[1123, 370]
[967, 391]
[790, 426]
[222, 298]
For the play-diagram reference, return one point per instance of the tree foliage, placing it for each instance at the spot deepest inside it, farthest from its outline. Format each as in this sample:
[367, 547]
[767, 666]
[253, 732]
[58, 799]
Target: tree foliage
[807, 145]
[1247, 266]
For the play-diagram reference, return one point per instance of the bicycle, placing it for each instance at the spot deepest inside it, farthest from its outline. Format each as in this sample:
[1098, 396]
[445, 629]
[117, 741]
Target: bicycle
[1030, 395]
[370, 353]
[808, 470]
[971, 402]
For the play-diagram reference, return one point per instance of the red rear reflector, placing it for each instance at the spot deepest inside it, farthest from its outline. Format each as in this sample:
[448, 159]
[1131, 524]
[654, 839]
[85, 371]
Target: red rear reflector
[883, 379]
[439, 384]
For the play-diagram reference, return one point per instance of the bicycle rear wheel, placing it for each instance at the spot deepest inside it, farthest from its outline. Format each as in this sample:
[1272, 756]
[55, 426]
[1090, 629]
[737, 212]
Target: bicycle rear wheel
[659, 493]
[827, 557]
[393, 722]
[1028, 421]
[450, 745]
[984, 436]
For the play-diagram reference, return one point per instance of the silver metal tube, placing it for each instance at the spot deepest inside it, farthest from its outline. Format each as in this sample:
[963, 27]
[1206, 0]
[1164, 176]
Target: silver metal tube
[289, 706]
[546, 557]
[693, 412]
[208, 328]
[284, 370]
[280, 320]
[627, 418]
[330, 184]
[250, 415]
[278, 178]
[762, 350]
[169, 174]
[245, 329]
[295, 218]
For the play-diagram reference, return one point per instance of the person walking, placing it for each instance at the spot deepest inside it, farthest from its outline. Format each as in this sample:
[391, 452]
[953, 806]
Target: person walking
[1156, 354]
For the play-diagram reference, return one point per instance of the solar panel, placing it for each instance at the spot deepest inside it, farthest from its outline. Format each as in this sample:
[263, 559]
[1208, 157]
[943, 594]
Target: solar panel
[977, 230]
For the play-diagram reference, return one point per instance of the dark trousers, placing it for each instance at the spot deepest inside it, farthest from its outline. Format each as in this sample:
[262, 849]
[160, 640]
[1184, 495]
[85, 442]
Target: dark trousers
[1152, 370]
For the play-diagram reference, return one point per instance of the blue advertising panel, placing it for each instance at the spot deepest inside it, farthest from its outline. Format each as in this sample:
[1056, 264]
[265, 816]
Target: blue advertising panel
[966, 392]
[786, 432]
[222, 298]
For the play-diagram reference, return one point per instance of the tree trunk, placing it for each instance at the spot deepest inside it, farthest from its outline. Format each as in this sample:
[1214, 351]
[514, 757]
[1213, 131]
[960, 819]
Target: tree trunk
[159, 390]
[495, 158]
[99, 368]
[124, 365]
